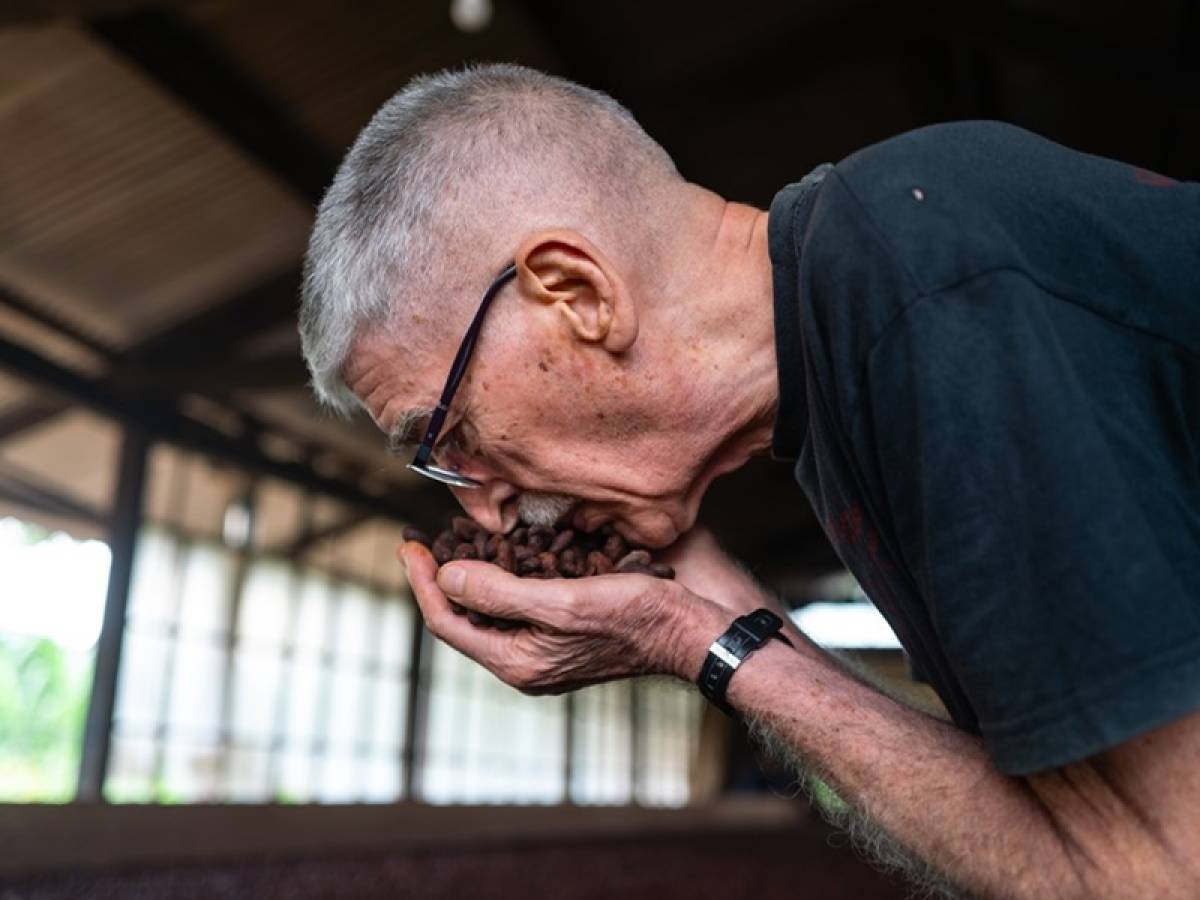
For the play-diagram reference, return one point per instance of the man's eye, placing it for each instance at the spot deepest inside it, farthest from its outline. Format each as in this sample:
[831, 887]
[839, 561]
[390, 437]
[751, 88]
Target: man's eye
[454, 442]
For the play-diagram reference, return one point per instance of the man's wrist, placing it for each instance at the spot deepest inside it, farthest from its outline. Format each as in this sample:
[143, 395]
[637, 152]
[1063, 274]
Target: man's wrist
[700, 623]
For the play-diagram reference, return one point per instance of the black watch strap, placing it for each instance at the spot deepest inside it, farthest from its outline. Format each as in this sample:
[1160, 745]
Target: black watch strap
[744, 636]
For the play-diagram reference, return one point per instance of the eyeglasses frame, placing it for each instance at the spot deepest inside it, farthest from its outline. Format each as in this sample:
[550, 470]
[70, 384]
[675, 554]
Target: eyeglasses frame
[421, 462]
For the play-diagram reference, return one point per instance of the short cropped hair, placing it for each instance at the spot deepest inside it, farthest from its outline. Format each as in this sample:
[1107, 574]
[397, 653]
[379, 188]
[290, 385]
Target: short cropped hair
[451, 160]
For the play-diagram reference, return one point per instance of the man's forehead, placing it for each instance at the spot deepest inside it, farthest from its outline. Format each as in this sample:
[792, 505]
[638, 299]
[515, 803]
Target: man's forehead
[381, 367]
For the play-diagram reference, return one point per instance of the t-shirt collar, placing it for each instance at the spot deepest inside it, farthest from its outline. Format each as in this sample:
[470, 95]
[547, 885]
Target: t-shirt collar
[787, 222]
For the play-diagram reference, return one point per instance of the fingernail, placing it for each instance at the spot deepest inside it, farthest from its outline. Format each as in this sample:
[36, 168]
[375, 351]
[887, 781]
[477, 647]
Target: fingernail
[451, 579]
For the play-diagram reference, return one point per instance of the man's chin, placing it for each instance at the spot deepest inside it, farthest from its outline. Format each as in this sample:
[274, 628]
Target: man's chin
[660, 532]
[655, 537]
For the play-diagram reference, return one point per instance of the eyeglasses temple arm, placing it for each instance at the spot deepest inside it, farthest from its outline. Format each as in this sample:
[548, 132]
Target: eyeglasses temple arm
[459, 366]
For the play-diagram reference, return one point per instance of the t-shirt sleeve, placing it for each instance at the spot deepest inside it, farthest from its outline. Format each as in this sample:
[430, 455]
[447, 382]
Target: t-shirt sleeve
[1018, 493]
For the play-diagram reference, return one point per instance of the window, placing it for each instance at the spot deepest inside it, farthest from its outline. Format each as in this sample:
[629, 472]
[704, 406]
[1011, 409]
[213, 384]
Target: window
[272, 663]
[489, 743]
[297, 694]
[50, 608]
[668, 715]
[602, 744]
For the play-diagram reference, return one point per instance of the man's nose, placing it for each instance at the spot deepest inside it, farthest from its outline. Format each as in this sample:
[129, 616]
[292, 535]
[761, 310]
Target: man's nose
[490, 504]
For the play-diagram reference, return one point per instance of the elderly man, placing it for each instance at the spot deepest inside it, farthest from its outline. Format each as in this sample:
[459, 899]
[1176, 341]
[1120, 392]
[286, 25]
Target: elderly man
[981, 350]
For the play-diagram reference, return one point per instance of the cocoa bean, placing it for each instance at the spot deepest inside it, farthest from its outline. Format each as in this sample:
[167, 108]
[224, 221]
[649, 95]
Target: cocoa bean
[639, 557]
[538, 542]
[562, 541]
[478, 619]
[615, 547]
[548, 562]
[504, 556]
[463, 527]
[598, 564]
[415, 534]
[539, 551]
[635, 568]
[443, 549]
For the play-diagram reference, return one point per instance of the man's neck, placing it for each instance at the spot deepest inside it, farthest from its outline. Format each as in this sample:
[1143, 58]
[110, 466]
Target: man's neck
[744, 335]
[724, 326]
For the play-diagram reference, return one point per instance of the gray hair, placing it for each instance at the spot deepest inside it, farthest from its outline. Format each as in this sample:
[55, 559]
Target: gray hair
[447, 163]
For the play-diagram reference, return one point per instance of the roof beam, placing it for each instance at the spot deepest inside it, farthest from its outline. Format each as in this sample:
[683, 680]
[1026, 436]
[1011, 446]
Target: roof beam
[27, 489]
[30, 415]
[184, 61]
[312, 536]
[254, 373]
[194, 341]
[209, 334]
[424, 506]
[48, 319]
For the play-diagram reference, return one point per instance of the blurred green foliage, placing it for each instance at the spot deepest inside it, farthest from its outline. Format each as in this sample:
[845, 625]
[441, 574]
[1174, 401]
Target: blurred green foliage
[43, 701]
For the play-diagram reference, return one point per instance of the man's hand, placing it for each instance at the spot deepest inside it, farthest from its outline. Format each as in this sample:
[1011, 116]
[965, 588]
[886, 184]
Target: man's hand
[578, 632]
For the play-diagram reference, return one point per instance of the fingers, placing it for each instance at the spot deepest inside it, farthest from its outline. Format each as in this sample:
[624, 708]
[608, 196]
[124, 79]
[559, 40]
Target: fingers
[441, 620]
[489, 589]
[507, 654]
[582, 631]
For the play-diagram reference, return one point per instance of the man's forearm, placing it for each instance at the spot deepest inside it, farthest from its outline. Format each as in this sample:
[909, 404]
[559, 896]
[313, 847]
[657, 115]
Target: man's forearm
[930, 786]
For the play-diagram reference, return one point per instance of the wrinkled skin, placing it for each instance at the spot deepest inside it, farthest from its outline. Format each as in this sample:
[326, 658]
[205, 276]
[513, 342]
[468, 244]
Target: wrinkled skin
[581, 631]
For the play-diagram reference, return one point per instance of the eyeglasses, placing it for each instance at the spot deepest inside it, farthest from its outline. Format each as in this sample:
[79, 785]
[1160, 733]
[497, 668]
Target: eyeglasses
[421, 463]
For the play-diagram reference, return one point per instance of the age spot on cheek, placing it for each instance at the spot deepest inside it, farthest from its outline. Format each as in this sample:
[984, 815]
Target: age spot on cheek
[543, 366]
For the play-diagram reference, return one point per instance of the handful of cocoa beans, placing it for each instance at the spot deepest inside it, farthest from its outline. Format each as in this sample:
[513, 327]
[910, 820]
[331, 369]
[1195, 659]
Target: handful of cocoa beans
[538, 551]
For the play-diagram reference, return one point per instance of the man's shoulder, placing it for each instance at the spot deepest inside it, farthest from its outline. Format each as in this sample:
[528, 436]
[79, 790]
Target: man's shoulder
[963, 154]
[948, 140]
[907, 216]
[947, 203]
[959, 183]
[937, 201]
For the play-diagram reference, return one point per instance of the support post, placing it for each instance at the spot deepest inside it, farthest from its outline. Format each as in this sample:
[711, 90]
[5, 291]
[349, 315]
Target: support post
[417, 710]
[569, 741]
[636, 725]
[126, 522]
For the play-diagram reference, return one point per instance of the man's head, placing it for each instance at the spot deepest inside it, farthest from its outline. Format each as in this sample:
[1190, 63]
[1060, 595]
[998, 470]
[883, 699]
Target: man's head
[576, 388]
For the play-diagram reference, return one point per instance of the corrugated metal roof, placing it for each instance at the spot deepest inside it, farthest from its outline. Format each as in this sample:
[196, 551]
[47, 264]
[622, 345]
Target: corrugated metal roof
[119, 210]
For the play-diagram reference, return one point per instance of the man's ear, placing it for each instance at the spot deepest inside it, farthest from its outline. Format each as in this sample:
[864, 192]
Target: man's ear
[563, 269]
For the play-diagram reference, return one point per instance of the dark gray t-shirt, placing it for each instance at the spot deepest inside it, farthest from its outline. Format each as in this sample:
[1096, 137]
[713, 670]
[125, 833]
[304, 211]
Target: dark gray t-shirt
[989, 363]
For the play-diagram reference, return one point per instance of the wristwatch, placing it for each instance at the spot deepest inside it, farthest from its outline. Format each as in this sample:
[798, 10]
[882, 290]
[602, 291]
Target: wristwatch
[744, 636]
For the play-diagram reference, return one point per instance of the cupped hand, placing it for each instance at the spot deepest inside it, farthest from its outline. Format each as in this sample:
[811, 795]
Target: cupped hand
[576, 632]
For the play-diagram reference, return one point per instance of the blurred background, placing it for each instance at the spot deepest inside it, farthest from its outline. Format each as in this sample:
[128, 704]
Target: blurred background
[212, 678]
